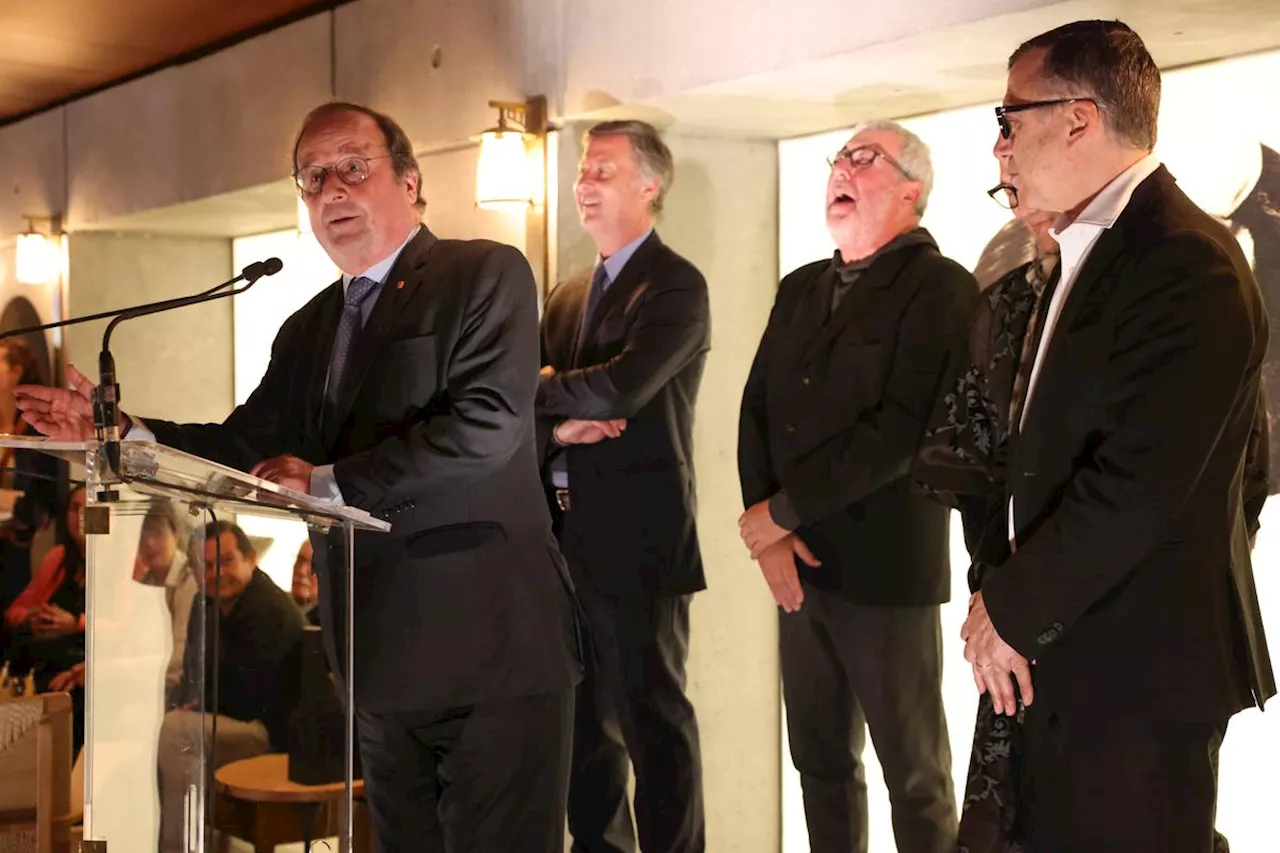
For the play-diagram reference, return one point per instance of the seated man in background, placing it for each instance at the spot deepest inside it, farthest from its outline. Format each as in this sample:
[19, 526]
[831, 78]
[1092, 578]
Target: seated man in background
[305, 592]
[257, 667]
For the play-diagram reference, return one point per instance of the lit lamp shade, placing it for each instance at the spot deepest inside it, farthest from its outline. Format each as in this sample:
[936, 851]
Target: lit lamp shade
[502, 176]
[39, 258]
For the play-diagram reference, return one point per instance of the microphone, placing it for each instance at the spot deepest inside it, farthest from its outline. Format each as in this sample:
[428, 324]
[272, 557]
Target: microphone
[258, 269]
[106, 397]
[249, 274]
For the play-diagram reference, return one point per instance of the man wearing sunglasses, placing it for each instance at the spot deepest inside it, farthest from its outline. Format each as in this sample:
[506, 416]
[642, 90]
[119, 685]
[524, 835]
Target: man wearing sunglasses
[834, 410]
[1128, 600]
[407, 389]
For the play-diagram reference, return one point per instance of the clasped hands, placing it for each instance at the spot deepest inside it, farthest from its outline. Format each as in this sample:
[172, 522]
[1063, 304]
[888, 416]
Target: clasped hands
[776, 550]
[48, 619]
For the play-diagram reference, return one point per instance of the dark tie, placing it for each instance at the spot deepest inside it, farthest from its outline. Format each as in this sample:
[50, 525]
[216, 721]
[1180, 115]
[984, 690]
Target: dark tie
[357, 292]
[599, 279]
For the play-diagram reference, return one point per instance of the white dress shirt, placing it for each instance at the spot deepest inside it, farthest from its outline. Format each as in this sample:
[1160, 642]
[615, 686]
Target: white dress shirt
[1076, 240]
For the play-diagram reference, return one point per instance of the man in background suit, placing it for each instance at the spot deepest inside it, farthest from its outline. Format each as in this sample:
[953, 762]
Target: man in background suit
[406, 389]
[835, 407]
[624, 346]
[1129, 587]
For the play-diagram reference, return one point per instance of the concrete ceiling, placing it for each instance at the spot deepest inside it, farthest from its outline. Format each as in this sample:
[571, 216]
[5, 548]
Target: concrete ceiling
[936, 70]
[942, 69]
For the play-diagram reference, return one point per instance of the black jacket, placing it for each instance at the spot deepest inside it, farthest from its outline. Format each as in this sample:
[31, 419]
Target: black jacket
[467, 599]
[1131, 585]
[835, 407]
[632, 527]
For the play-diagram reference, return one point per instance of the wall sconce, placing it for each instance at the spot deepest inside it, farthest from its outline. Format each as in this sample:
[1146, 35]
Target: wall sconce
[39, 255]
[511, 171]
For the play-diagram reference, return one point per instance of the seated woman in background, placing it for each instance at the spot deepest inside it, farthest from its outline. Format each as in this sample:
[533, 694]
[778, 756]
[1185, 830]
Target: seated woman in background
[28, 483]
[47, 620]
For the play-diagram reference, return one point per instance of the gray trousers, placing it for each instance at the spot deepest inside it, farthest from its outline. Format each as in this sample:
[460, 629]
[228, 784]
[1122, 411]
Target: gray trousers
[849, 668]
[179, 763]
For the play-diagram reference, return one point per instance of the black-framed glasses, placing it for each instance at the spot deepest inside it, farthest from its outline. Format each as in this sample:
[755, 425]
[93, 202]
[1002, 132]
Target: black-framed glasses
[864, 156]
[1005, 195]
[352, 171]
[1002, 113]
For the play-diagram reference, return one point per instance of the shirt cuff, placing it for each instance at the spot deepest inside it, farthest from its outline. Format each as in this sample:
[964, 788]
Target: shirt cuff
[138, 431]
[324, 485]
[782, 512]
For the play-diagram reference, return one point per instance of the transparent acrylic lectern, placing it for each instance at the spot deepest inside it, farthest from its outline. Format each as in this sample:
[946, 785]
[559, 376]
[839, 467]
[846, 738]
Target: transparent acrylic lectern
[136, 674]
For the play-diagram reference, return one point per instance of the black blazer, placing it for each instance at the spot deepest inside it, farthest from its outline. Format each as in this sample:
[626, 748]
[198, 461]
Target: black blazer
[1131, 585]
[834, 410]
[632, 524]
[467, 599]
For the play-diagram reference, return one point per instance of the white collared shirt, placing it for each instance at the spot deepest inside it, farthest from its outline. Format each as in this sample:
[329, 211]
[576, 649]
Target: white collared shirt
[1076, 240]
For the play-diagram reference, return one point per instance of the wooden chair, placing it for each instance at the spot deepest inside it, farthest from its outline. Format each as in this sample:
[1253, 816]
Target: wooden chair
[35, 773]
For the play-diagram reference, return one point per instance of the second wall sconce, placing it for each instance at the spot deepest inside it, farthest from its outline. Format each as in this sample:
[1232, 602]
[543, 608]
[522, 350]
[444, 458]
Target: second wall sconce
[511, 171]
[39, 255]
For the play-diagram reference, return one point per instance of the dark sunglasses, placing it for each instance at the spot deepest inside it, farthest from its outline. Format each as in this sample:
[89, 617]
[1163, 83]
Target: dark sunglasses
[1002, 112]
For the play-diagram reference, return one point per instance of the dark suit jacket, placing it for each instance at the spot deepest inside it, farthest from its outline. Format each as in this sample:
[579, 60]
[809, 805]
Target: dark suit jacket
[1131, 584]
[834, 410]
[632, 525]
[467, 599]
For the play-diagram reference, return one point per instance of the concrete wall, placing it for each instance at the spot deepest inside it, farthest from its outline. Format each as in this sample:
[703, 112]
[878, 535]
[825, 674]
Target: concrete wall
[725, 224]
[223, 123]
[175, 365]
[627, 52]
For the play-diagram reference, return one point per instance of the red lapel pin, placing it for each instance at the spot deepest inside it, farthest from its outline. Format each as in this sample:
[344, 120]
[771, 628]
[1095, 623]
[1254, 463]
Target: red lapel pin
[399, 285]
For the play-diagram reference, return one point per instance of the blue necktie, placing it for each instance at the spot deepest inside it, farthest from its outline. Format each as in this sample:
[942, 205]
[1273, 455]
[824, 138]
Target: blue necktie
[352, 319]
[599, 280]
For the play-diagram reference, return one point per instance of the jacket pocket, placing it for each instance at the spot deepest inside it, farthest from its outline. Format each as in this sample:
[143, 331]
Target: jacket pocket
[452, 538]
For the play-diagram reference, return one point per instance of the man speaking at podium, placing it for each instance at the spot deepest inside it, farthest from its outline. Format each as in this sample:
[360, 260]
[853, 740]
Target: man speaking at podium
[406, 389]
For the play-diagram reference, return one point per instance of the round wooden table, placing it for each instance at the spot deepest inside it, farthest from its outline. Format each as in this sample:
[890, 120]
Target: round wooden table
[278, 811]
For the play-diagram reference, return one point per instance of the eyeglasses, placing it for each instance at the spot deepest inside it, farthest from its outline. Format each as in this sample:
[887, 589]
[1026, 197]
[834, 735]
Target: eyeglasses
[1002, 113]
[1005, 195]
[352, 171]
[864, 156]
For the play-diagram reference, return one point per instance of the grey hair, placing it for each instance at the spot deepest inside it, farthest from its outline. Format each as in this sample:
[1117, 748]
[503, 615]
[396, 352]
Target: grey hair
[914, 158]
[403, 160]
[652, 154]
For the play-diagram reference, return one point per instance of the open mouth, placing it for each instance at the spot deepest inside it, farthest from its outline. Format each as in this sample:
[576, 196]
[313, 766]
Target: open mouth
[340, 218]
[842, 198]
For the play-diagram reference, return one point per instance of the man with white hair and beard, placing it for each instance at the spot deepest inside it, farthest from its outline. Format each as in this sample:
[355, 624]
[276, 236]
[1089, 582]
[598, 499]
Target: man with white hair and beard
[843, 384]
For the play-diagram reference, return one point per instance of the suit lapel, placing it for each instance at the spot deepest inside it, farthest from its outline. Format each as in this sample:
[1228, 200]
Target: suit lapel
[404, 280]
[620, 292]
[317, 370]
[1110, 245]
[815, 308]
[882, 273]
[573, 301]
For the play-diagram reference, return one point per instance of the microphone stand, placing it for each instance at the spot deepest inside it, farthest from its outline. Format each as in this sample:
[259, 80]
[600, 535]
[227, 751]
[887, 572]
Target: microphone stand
[106, 397]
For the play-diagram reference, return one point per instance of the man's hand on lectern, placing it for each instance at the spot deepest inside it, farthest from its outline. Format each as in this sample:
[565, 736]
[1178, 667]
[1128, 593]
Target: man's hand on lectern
[62, 413]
